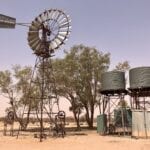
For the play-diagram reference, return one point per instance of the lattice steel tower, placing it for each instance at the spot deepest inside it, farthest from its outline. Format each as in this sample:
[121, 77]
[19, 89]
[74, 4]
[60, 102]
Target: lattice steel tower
[46, 34]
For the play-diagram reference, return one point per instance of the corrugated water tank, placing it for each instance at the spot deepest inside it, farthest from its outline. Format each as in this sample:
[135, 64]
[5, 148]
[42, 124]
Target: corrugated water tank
[139, 77]
[113, 80]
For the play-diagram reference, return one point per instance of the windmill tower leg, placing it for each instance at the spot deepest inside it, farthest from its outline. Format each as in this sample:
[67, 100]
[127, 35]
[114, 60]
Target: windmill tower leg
[47, 98]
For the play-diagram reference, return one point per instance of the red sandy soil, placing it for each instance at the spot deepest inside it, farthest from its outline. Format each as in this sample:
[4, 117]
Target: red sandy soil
[84, 140]
[90, 140]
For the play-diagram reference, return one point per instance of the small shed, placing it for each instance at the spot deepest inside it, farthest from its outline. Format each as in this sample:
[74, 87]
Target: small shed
[141, 123]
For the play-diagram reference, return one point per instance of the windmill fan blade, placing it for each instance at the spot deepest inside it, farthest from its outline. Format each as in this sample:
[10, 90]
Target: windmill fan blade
[53, 15]
[66, 27]
[66, 39]
[66, 19]
[66, 24]
[62, 20]
[53, 45]
[58, 41]
[44, 16]
[33, 28]
[61, 37]
[36, 23]
[50, 13]
[38, 19]
[33, 40]
[32, 34]
[38, 46]
[34, 45]
[31, 37]
[63, 33]
[57, 15]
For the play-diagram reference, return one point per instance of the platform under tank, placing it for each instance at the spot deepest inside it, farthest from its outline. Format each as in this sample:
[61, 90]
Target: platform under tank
[139, 78]
[113, 82]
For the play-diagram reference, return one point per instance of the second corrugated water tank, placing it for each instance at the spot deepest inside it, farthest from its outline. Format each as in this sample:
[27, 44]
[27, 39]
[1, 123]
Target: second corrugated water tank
[139, 77]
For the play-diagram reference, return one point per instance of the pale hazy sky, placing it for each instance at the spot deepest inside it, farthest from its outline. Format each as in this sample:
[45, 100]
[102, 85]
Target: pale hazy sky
[121, 27]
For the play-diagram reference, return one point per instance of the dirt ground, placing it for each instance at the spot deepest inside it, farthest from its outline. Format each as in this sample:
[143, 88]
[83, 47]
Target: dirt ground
[84, 140]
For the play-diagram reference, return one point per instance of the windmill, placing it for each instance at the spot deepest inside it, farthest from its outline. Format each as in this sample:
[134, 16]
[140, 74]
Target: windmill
[46, 34]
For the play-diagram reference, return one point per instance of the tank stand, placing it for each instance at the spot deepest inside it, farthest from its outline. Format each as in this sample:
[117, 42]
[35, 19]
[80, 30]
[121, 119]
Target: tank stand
[110, 104]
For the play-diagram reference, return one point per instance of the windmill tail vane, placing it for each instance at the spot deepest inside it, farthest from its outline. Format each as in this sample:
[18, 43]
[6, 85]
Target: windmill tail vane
[7, 22]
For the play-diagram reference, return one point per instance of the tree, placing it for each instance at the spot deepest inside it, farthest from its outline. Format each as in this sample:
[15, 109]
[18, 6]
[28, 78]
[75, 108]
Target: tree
[78, 75]
[24, 90]
[14, 85]
[65, 84]
[123, 66]
[123, 104]
[6, 85]
[77, 107]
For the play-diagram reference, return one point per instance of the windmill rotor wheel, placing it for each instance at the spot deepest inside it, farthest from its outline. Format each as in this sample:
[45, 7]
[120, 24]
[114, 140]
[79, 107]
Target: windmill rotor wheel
[61, 114]
[10, 116]
[48, 32]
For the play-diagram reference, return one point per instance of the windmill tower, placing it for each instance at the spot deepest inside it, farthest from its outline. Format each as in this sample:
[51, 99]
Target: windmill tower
[46, 34]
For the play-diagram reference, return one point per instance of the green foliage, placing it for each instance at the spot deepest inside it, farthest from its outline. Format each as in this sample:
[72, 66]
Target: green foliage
[78, 76]
[123, 66]
[22, 76]
[14, 85]
[122, 104]
[5, 81]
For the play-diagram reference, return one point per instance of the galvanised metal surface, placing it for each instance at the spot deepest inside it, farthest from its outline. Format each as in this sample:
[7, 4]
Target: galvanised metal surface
[7, 22]
[102, 124]
[127, 114]
[113, 80]
[139, 77]
[140, 123]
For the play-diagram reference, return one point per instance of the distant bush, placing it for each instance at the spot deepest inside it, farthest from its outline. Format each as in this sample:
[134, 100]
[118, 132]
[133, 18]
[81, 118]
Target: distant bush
[70, 119]
[1, 119]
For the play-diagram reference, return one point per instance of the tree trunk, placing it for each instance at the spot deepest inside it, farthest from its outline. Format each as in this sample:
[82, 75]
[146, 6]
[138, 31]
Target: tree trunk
[87, 116]
[76, 120]
[92, 116]
[20, 120]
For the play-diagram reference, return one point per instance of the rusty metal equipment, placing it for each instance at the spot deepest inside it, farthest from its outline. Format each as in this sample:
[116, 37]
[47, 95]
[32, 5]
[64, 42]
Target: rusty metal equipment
[59, 128]
[9, 120]
[47, 33]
